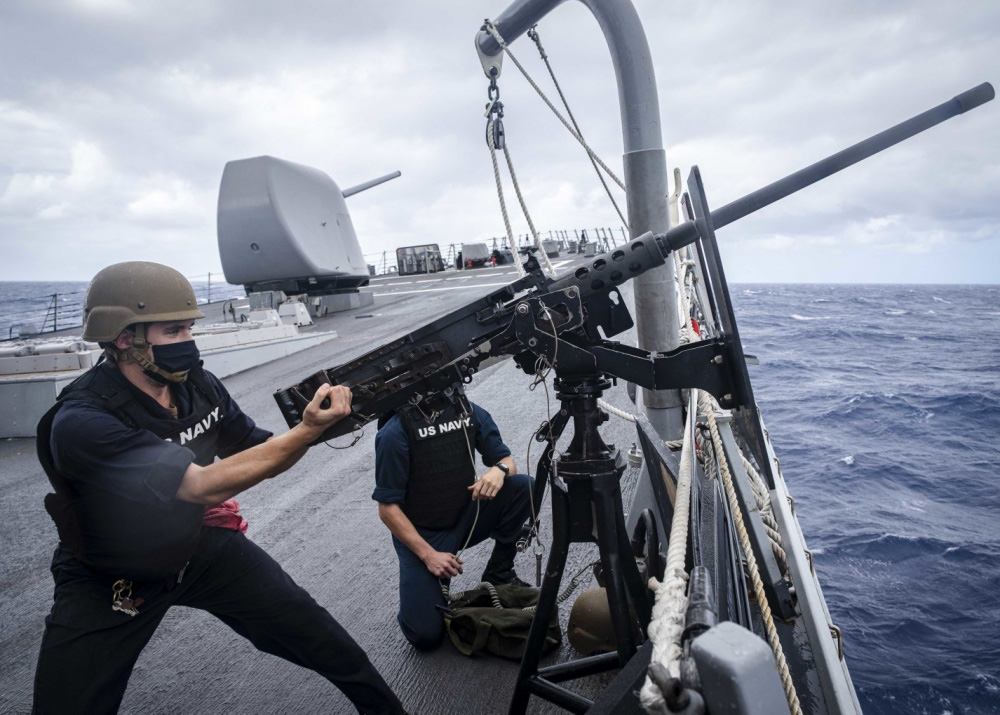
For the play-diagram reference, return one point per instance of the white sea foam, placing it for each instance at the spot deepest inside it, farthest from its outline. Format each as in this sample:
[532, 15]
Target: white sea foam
[892, 311]
[989, 682]
[848, 460]
[940, 300]
[796, 316]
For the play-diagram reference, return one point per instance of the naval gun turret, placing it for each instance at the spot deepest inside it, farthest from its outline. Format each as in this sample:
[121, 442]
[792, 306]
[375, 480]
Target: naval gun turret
[286, 227]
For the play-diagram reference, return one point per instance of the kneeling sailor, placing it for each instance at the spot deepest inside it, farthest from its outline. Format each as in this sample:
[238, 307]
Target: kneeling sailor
[429, 498]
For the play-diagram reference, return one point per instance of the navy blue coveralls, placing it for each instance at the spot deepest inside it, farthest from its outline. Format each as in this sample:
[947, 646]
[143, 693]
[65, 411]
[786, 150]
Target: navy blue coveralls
[88, 650]
[501, 519]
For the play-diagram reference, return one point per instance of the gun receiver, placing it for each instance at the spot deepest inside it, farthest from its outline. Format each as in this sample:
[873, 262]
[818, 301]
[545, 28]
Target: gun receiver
[562, 318]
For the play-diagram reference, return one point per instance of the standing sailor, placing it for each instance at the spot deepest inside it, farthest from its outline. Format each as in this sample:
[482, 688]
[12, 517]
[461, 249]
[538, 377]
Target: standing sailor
[429, 498]
[131, 448]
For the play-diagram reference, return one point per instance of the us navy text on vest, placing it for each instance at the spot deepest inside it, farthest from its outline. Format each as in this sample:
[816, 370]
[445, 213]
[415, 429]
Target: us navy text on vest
[197, 429]
[442, 427]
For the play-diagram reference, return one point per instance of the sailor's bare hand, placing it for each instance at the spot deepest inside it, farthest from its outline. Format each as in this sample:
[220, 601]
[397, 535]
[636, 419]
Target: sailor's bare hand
[443, 565]
[318, 417]
[488, 485]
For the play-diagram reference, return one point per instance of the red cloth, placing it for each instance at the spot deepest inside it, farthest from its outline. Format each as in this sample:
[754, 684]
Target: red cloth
[226, 516]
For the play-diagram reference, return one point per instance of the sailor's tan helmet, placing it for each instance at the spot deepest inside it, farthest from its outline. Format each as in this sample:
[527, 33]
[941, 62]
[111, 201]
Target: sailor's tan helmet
[136, 292]
[590, 630]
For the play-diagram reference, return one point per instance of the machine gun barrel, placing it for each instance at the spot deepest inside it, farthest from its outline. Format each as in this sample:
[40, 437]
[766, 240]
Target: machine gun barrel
[685, 233]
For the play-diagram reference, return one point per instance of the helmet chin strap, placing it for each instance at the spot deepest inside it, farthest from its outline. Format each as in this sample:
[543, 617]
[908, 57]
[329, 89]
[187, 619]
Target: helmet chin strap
[136, 353]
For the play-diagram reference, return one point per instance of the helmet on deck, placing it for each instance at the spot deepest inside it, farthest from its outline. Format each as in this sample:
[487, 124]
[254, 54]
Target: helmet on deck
[136, 292]
[590, 630]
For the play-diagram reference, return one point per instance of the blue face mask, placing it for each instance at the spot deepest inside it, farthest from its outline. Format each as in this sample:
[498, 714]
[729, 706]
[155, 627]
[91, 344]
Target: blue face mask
[174, 358]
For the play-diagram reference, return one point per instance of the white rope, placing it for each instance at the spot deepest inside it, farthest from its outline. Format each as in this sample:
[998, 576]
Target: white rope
[543, 257]
[763, 499]
[683, 269]
[521, 273]
[615, 411]
[667, 621]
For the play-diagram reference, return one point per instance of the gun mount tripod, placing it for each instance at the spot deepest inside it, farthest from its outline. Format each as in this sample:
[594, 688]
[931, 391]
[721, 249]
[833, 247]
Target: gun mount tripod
[586, 507]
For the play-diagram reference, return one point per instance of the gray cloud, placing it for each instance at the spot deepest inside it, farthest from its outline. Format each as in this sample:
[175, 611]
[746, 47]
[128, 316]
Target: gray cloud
[117, 117]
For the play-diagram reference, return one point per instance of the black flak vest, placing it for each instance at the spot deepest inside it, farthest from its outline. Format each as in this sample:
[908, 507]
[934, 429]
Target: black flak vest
[441, 469]
[117, 536]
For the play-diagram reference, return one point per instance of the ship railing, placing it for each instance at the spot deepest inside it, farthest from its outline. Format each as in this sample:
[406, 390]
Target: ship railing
[31, 316]
[571, 240]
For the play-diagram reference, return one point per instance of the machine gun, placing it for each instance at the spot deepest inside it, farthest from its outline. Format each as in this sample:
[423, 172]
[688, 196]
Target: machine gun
[564, 318]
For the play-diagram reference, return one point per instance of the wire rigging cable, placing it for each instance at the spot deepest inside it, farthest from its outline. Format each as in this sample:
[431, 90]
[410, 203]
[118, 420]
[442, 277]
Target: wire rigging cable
[533, 35]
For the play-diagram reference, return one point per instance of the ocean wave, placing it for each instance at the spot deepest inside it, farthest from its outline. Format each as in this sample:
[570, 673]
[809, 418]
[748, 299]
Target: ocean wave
[796, 316]
[940, 300]
[891, 411]
[894, 311]
[890, 547]
[990, 683]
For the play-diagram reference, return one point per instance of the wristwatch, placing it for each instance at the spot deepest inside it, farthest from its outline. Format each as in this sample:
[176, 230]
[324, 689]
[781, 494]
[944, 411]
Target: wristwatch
[503, 468]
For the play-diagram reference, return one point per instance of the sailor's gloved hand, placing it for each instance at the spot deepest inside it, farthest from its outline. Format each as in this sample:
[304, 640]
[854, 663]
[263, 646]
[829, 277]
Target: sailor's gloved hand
[442, 564]
[317, 417]
[488, 485]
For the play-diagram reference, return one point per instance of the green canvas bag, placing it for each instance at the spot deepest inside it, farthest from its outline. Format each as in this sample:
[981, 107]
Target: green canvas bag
[475, 623]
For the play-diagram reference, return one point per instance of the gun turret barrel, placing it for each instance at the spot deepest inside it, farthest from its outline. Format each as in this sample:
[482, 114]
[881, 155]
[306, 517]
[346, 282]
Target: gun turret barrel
[369, 184]
[685, 233]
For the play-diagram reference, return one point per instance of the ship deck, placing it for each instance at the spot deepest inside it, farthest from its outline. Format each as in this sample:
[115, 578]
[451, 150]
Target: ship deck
[319, 522]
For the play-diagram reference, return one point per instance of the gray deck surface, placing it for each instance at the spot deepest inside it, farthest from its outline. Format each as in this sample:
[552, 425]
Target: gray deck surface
[319, 522]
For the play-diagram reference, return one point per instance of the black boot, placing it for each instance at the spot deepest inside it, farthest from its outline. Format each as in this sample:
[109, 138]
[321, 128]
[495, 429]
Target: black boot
[500, 567]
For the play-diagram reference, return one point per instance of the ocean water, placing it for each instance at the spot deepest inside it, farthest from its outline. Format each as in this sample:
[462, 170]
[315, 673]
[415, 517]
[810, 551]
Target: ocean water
[883, 404]
[59, 305]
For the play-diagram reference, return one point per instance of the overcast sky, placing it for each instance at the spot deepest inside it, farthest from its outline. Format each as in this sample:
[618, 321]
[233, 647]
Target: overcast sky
[118, 116]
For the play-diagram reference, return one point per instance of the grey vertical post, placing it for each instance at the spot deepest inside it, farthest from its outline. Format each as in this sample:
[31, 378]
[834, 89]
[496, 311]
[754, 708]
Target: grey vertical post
[646, 190]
